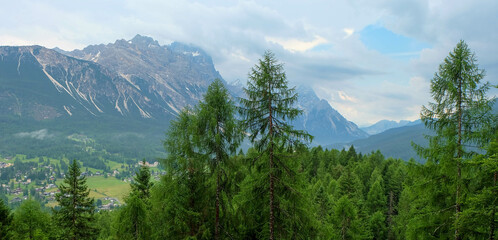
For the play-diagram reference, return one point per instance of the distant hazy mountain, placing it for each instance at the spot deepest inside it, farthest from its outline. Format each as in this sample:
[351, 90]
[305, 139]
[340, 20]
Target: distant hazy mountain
[395, 142]
[384, 125]
[324, 122]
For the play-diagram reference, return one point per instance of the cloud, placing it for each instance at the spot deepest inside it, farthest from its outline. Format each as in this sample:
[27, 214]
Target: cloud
[346, 98]
[41, 134]
[348, 31]
[295, 45]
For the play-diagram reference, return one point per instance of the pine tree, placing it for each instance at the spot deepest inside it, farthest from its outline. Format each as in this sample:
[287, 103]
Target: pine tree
[268, 106]
[459, 117]
[75, 218]
[220, 136]
[5, 220]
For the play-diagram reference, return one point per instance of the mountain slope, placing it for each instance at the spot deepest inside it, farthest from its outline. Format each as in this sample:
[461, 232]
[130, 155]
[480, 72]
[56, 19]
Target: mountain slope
[324, 122]
[44, 84]
[173, 75]
[383, 125]
[395, 142]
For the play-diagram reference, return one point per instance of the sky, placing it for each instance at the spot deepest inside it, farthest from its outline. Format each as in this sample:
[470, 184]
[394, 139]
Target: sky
[371, 60]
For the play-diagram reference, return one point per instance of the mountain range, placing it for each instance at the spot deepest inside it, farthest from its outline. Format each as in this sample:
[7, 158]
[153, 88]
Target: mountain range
[384, 125]
[119, 92]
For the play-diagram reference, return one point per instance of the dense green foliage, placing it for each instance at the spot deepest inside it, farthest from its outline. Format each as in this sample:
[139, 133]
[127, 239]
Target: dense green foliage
[31, 222]
[5, 220]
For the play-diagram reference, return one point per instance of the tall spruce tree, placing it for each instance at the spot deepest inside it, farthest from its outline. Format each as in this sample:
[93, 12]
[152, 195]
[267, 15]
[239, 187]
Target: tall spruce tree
[75, 218]
[142, 183]
[268, 107]
[220, 136]
[459, 116]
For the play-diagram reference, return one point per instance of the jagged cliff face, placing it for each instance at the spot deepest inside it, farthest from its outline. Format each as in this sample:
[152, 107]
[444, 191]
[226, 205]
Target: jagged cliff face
[136, 79]
[44, 84]
[175, 75]
[324, 122]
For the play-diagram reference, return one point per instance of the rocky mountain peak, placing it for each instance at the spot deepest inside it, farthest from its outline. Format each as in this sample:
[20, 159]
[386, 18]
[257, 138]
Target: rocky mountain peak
[144, 41]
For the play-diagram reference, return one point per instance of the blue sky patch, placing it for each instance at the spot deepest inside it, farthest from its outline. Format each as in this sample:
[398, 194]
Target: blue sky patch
[322, 47]
[378, 38]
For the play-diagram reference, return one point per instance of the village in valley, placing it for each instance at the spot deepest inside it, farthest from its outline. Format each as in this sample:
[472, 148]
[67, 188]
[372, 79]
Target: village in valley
[38, 178]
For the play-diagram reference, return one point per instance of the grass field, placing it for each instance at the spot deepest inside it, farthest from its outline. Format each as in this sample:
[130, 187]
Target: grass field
[106, 187]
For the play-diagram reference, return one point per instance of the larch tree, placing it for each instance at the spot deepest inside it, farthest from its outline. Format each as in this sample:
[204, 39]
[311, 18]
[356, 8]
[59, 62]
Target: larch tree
[459, 116]
[75, 217]
[219, 136]
[479, 218]
[30, 221]
[267, 110]
[185, 205]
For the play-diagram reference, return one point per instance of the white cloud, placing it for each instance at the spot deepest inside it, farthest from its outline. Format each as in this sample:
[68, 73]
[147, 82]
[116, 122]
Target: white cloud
[41, 134]
[346, 98]
[295, 45]
[348, 31]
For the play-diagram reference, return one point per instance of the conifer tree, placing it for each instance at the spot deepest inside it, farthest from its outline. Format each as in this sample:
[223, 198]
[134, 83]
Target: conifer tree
[182, 197]
[75, 218]
[459, 117]
[376, 198]
[345, 218]
[133, 222]
[5, 220]
[220, 136]
[268, 106]
[142, 183]
[30, 222]
[132, 219]
[480, 219]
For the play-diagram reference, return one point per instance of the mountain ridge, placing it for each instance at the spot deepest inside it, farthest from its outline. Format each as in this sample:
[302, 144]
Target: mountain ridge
[384, 125]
